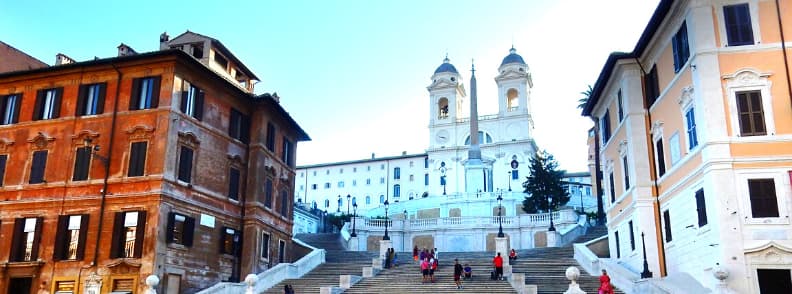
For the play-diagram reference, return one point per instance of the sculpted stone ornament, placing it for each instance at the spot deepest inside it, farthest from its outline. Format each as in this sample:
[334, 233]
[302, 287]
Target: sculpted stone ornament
[572, 274]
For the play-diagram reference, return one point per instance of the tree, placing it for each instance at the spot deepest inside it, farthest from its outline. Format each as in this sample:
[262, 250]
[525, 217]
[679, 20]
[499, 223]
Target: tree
[544, 184]
[586, 94]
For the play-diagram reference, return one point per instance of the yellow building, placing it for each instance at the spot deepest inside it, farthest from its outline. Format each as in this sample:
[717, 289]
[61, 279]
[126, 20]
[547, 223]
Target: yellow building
[694, 130]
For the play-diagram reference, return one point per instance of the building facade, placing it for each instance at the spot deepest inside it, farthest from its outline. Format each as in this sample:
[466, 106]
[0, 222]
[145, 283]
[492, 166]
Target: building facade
[143, 164]
[13, 59]
[694, 129]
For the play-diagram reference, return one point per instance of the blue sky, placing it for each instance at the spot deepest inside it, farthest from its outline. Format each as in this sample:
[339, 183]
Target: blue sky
[354, 73]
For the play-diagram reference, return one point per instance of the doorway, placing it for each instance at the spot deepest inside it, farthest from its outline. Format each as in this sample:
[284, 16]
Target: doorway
[772, 281]
[20, 285]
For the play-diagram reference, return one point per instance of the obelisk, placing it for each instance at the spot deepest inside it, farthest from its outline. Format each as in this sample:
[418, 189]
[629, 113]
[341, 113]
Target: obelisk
[475, 170]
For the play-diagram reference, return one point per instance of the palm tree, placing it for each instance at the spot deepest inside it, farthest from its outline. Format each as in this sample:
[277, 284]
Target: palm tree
[586, 94]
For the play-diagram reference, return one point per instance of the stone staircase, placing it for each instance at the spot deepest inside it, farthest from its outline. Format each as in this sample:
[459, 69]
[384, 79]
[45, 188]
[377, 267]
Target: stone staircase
[407, 278]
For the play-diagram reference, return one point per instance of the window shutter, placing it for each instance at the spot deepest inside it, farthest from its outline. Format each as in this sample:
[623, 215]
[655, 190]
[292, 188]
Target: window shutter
[667, 222]
[38, 105]
[81, 162]
[238, 243]
[100, 101]
[661, 169]
[3, 162]
[183, 104]
[618, 244]
[189, 228]
[185, 164]
[199, 104]
[56, 103]
[223, 236]
[82, 92]
[37, 238]
[701, 208]
[37, 167]
[134, 99]
[137, 159]
[118, 229]
[16, 108]
[16, 244]
[60, 238]
[83, 236]
[233, 183]
[140, 233]
[245, 129]
[632, 236]
[169, 228]
[155, 92]
[233, 124]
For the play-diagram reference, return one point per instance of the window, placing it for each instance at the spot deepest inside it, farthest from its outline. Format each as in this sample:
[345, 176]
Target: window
[27, 236]
[426, 162]
[382, 180]
[284, 203]
[652, 90]
[674, 149]
[185, 164]
[396, 190]
[265, 240]
[327, 203]
[197, 50]
[605, 127]
[626, 173]
[90, 99]
[382, 198]
[368, 199]
[774, 280]
[661, 169]
[233, 183]
[341, 184]
[271, 137]
[396, 173]
[268, 193]
[281, 251]
[9, 105]
[128, 232]
[354, 200]
[618, 245]
[737, 19]
[612, 188]
[230, 241]
[313, 186]
[751, 115]
[327, 185]
[82, 162]
[221, 61]
[239, 126]
[632, 236]
[354, 169]
[38, 167]
[192, 101]
[680, 46]
[287, 155]
[763, 198]
[3, 161]
[701, 208]
[426, 179]
[690, 120]
[620, 105]
[340, 171]
[48, 102]
[515, 174]
[382, 166]
[137, 159]
[354, 183]
[180, 229]
[368, 181]
[412, 178]
[145, 93]
[667, 224]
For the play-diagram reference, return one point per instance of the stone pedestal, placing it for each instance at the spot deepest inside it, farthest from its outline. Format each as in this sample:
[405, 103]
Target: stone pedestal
[507, 271]
[572, 274]
[531, 289]
[552, 238]
[383, 249]
[376, 263]
[517, 281]
[354, 244]
[345, 281]
[502, 246]
[368, 272]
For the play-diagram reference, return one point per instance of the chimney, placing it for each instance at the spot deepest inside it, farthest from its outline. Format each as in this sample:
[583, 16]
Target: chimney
[61, 59]
[124, 50]
[372, 155]
[404, 153]
[164, 38]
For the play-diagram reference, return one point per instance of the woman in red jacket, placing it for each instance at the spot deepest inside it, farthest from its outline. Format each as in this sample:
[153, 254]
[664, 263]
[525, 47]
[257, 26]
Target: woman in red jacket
[605, 284]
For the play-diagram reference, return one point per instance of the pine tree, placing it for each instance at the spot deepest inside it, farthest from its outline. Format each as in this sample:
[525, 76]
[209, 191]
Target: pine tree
[545, 183]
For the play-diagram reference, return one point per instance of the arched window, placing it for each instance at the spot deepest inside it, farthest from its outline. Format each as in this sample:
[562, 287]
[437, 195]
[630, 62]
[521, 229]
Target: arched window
[512, 99]
[484, 138]
[382, 198]
[368, 199]
[442, 108]
[396, 190]
[327, 203]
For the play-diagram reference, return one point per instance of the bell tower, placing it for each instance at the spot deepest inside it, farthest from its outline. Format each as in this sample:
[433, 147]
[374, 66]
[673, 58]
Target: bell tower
[446, 97]
[514, 86]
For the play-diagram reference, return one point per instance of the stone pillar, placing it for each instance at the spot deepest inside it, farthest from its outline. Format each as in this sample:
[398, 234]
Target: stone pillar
[345, 281]
[368, 272]
[517, 281]
[354, 244]
[552, 238]
[573, 273]
[152, 281]
[531, 289]
[376, 263]
[502, 246]
[507, 270]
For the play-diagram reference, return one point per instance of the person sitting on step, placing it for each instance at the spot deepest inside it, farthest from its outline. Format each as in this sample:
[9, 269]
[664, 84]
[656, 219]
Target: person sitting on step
[468, 272]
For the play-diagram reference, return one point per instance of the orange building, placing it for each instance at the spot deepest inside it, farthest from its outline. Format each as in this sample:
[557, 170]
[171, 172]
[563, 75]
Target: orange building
[694, 129]
[143, 164]
[12, 59]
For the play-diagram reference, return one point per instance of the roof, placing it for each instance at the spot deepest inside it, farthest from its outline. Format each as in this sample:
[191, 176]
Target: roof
[651, 28]
[513, 57]
[361, 161]
[270, 101]
[227, 53]
[32, 61]
[446, 66]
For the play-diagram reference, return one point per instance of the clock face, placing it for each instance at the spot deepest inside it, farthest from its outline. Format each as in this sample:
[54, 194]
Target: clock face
[442, 137]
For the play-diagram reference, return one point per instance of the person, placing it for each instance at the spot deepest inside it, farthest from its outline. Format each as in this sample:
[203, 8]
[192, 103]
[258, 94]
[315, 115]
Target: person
[415, 253]
[605, 285]
[422, 255]
[458, 273]
[437, 255]
[425, 269]
[498, 262]
[432, 269]
[388, 258]
[512, 256]
[393, 263]
[287, 289]
[468, 272]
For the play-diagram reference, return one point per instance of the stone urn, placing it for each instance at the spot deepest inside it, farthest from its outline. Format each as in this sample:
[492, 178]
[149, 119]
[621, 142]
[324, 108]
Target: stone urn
[720, 273]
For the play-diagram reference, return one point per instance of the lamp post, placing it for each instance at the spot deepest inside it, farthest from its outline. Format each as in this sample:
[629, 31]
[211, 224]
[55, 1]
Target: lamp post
[443, 176]
[348, 199]
[339, 204]
[386, 237]
[500, 220]
[550, 212]
[645, 274]
[354, 210]
[580, 193]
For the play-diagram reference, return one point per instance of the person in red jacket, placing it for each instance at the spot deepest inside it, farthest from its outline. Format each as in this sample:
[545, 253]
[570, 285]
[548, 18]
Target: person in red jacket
[498, 261]
[605, 285]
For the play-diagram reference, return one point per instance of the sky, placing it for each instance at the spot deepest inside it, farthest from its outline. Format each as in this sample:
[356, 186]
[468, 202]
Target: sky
[353, 74]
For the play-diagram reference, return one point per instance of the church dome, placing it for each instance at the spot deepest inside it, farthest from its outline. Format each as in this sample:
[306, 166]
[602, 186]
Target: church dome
[513, 57]
[446, 67]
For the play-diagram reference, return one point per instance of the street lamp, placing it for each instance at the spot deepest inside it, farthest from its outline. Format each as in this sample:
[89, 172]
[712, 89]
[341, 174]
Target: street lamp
[550, 211]
[500, 220]
[339, 204]
[354, 209]
[348, 199]
[645, 274]
[580, 192]
[386, 237]
[443, 176]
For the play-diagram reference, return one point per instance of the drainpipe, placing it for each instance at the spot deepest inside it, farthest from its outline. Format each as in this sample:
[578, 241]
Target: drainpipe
[598, 175]
[783, 50]
[653, 175]
[107, 164]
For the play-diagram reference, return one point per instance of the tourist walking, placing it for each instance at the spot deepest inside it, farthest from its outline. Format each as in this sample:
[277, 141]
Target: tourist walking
[425, 269]
[415, 253]
[458, 274]
[605, 285]
[432, 269]
[287, 289]
[388, 258]
[498, 262]
[437, 255]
